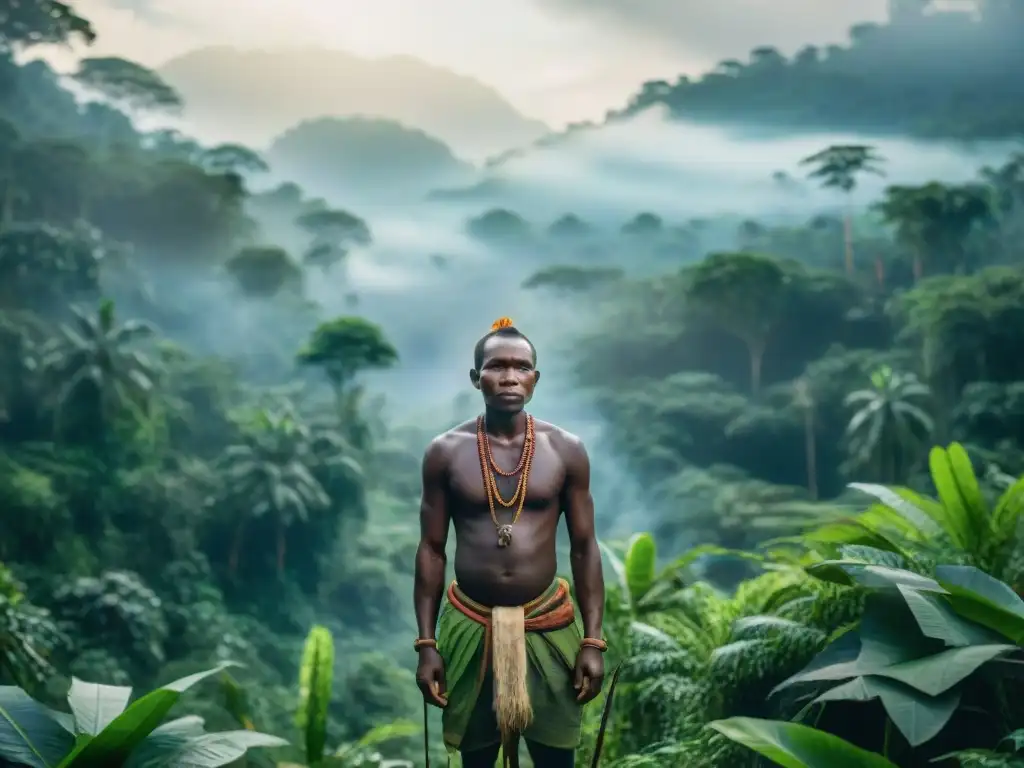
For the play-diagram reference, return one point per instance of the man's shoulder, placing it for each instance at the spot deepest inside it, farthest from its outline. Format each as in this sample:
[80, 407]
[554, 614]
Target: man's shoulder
[564, 441]
[442, 445]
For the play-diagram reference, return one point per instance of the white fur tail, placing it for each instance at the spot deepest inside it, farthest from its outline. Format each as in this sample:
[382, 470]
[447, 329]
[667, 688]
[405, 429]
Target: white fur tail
[508, 655]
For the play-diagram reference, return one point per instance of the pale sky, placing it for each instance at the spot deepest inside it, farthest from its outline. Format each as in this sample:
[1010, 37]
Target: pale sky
[556, 60]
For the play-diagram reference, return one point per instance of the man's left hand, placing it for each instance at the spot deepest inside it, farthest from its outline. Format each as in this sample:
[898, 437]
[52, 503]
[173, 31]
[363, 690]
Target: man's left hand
[589, 674]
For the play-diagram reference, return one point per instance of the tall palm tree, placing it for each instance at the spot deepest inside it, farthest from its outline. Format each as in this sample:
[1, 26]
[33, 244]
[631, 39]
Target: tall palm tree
[889, 424]
[273, 471]
[837, 167]
[95, 353]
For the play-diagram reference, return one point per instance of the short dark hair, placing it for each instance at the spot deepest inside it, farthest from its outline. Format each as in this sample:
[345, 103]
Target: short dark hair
[509, 332]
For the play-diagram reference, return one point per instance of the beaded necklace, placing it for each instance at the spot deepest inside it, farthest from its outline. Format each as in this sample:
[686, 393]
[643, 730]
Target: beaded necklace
[489, 468]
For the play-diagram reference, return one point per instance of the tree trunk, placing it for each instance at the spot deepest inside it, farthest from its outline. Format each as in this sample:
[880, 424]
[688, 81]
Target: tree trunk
[918, 267]
[236, 548]
[880, 272]
[7, 206]
[848, 243]
[811, 451]
[281, 545]
[756, 361]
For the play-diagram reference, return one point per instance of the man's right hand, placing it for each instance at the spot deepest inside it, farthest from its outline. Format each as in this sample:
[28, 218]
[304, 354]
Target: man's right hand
[430, 677]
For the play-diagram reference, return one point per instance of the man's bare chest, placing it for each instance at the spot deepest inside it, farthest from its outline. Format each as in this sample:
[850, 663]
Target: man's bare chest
[544, 483]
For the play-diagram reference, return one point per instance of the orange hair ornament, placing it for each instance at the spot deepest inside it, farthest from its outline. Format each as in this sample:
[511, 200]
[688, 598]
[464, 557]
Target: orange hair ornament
[501, 322]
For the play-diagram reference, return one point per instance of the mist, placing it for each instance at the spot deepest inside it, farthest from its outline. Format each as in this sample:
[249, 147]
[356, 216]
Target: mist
[435, 290]
[685, 170]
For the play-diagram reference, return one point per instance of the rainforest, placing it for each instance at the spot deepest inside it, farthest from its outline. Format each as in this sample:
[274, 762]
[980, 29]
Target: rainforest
[796, 364]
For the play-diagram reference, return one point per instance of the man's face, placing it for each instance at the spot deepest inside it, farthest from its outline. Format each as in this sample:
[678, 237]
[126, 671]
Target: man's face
[507, 375]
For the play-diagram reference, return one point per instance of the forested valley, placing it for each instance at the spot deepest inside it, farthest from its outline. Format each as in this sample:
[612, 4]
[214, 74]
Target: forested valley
[201, 482]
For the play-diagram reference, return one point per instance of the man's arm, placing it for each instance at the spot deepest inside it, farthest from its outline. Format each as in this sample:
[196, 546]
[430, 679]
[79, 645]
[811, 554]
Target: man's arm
[585, 555]
[430, 555]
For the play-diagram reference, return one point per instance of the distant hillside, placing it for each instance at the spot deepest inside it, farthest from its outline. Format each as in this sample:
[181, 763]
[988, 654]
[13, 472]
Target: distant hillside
[252, 96]
[934, 75]
[370, 155]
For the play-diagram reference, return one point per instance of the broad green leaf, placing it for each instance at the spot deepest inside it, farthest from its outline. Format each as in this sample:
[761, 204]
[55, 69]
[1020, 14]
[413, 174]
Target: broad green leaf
[168, 738]
[213, 750]
[838, 661]
[889, 633]
[641, 563]
[1015, 740]
[793, 745]
[388, 731]
[853, 572]
[95, 706]
[984, 599]
[316, 671]
[974, 501]
[979, 758]
[29, 736]
[936, 674]
[64, 720]
[1008, 511]
[958, 516]
[928, 519]
[918, 717]
[850, 532]
[116, 742]
[972, 579]
[617, 566]
[937, 619]
[236, 702]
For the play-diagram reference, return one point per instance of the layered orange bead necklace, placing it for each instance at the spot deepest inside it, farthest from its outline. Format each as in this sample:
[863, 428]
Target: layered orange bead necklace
[489, 469]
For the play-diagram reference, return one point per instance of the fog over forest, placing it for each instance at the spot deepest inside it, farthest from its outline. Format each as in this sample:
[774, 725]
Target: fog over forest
[778, 300]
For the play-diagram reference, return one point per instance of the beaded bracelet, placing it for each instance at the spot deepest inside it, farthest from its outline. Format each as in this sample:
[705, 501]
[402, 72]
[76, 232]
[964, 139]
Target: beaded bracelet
[594, 642]
[424, 642]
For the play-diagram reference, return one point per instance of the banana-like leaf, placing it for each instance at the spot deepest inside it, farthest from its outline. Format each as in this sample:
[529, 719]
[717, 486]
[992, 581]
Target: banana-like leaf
[388, 731]
[793, 745]
[641, 565]
[118, 740]
[914, 512]
[166, 739]
[937, 619]
[854, 572]
[29, 735]
[918, 717]
[316, 673]
[236, 702]
[1008, 511]
[967, 482]
[95, 706]
[938, 673]
[984, 599]
[958, 513]
[212, 750]
[1015, 740]
[617, 566]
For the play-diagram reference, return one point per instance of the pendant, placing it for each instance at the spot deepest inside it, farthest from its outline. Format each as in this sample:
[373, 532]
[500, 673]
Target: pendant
[504, 536]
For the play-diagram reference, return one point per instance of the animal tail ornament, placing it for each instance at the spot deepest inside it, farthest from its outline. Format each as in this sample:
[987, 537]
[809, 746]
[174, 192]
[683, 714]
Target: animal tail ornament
[511, 696]
[508, 648]
[510, 749]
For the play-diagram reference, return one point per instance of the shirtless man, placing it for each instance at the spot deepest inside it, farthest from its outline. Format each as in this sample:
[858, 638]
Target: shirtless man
[511, 654]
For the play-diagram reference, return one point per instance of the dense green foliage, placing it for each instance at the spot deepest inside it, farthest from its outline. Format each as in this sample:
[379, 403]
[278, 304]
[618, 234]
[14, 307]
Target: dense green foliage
[179, 489]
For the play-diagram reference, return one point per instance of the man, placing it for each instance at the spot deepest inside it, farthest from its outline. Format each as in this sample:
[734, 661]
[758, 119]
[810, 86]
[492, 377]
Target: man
[510, 656]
